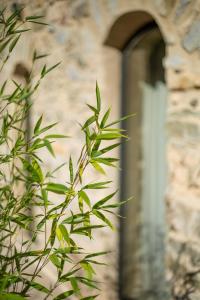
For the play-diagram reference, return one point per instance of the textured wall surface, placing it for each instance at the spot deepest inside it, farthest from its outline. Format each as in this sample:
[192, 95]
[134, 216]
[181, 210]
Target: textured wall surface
[76, 37]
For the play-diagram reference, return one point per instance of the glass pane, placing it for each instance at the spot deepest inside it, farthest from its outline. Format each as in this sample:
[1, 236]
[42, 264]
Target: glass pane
[144, 170]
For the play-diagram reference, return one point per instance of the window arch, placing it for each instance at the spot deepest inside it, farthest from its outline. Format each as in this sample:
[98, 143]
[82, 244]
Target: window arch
[144, 92]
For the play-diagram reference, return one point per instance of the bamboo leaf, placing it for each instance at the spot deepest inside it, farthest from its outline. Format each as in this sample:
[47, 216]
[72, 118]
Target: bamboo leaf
[45, 71]
[104, 200]
[71, 170]
[49, 147]
[89, 297]
[37, 169]
[97, 167]
[39, 287]
[104, 119]
[84, 229]
[4, 44]
[74, 285]
[57, 188]
[55, 260]
[104, 150]
[97, 185]
[96, 254]
[80, 203]
[64, 295]
[53, 232]
[89, 122]
[11, 296]
[56, 136]
[98, 98]
[37, 126]
[110, 136]
[92, 108]
[101, 216]
[13, 44]
[34, 17]
[120, 120]
[64, 233]
[85, 197]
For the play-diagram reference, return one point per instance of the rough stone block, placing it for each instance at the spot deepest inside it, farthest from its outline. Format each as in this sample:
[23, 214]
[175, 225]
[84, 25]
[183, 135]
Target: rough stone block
[191, 40]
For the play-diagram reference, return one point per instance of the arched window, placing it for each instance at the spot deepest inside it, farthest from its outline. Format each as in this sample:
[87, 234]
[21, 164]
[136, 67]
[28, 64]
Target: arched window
[142, 241]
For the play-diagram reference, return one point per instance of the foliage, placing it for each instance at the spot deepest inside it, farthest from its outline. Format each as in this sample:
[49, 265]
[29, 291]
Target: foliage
[25, 186]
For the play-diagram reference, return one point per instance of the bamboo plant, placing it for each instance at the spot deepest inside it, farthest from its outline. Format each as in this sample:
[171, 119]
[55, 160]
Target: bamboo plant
[58, 223]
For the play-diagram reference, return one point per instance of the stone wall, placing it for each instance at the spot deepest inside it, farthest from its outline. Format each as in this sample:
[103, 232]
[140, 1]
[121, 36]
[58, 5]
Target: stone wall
[76, 36]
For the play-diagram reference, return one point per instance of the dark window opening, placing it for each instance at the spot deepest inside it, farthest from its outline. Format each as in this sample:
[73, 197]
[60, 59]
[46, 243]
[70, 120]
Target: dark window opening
[142, 236]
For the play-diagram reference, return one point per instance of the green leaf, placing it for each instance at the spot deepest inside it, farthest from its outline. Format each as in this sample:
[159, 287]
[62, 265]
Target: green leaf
[33, 170]
[37, 126]
[110, 136]
[85, 229]
[104, 119]
[104, 200]
[64, 295]
[17, 262]
[120, 120]
[96, 254]
[89, 122]
[99, 215]
[57, 188]
[64, 233]
[97, 167]
[104, 150]
[89, 297]
[37, 169]
[46, 128]
[74, 285]
[45, 70]
[3, 45]
[36, 56]
[88, 268]
[74, 219]
[114, 205]
[11, 296]
[85, 197]
[88, 142]
[71, 170]
[106, 161]
[37, 22]
[53, 231]
[3, 88]
[13, 44]
[66, 277]
[97, 185]
[55, 260]
[88, 282]
[56, 136]
[33, 18]
[80, 203]
[13, 16]
[49, 147]
[92, 108]
[98, 98]
[39, 287]
[44, 197]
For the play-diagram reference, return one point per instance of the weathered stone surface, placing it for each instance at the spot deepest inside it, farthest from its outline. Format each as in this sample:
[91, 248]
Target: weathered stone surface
[182, 79]
[175, 61]
[191, 40]
[182, 5]
[163, 6]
